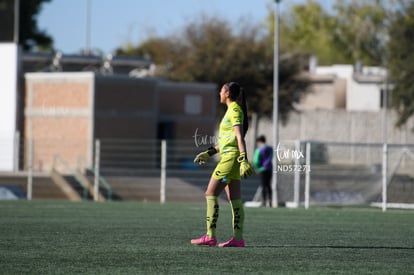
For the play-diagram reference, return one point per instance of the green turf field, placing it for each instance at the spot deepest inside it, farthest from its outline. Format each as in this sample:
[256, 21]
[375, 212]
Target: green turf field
[129, 238]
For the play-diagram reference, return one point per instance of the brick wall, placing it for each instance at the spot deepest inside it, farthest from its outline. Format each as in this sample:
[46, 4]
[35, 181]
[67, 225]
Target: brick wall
[59, 118]
[66, 112]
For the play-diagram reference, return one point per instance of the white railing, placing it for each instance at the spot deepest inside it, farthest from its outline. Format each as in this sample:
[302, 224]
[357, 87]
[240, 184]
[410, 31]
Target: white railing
[331, 172]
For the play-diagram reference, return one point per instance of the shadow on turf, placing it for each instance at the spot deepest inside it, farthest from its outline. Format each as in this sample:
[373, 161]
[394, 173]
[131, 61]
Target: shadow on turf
[334, 247]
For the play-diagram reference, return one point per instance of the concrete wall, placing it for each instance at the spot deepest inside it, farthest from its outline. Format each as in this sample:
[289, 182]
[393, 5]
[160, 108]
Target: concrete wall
[8, 104]
[150, 108]
[340, 126]
[188, 107]
[327, 93]
[125, 108]
[364, 97]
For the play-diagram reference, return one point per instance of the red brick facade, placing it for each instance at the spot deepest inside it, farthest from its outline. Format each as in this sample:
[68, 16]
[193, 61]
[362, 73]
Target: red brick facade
[66, 112]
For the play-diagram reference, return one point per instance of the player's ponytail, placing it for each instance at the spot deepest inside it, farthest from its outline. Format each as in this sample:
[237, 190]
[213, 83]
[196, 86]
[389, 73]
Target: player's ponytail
[237, 94]
[241, 100]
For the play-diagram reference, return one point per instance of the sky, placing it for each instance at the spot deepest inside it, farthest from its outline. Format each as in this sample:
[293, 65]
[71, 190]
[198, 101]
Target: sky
[115, 23]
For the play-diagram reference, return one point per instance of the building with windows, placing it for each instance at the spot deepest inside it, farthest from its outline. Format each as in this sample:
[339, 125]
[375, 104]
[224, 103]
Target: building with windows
[345, 87]
[66, 112]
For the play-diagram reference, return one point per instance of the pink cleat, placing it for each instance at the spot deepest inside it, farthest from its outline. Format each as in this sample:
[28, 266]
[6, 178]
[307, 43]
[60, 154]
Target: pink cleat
[232, 243]
[205, 240]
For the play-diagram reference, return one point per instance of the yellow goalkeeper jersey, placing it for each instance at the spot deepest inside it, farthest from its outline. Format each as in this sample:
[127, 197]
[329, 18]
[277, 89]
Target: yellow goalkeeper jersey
[227, 139]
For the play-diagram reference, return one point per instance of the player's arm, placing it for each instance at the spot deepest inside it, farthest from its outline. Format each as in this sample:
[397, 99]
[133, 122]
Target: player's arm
[246, 169]
[240, 140]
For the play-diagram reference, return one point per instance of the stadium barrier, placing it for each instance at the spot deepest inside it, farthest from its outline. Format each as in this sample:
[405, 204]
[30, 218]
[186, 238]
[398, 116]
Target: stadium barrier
[339, 173]
[309, 172]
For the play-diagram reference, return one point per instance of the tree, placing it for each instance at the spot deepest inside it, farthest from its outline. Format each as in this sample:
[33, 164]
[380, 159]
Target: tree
[156, 49]
[30, 37]
[374, 32]
[308, 28]
[360, 30]
[352, 31]
[401, 62]
[210, 50]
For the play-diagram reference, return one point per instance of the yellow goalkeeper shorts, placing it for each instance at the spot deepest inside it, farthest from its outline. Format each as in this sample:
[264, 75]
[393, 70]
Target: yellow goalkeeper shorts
[228, 168]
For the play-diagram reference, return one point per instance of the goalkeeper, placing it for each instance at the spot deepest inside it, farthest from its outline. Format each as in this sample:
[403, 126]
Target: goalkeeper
[232, 165]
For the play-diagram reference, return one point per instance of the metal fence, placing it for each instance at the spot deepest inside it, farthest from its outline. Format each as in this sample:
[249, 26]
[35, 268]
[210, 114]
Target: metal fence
[308, 172]
[357, 174]
[131, 169]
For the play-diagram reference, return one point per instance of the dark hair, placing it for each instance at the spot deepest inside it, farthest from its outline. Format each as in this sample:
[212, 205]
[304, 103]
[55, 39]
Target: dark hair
[261, 139]
[237, 94]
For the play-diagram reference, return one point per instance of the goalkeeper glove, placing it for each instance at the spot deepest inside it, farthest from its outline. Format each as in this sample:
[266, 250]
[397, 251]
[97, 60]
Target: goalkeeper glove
[201, 158]
[246, 170]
